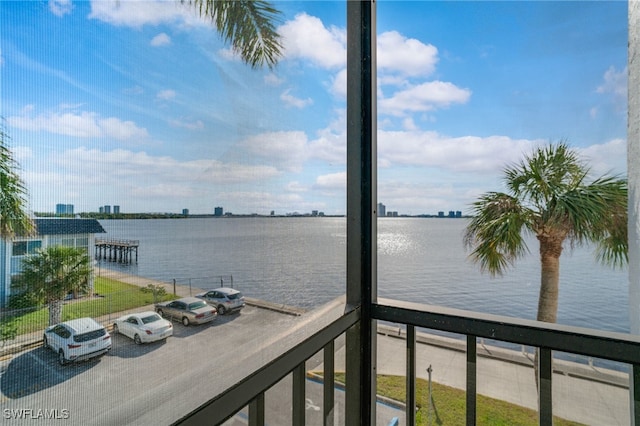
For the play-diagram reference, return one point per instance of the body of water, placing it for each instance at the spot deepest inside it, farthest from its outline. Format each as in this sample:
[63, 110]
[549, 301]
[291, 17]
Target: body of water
[302, 262]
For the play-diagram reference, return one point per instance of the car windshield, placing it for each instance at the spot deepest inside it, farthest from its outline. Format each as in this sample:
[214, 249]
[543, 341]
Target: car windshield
[196, 305]
[90, 335]
[150, 318]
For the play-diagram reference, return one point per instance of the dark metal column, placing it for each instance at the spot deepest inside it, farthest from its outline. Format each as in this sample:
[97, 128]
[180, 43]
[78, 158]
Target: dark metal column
[299, 396]
[411, 376]
[472, 350]
[633, 173]
[328, 405]
[545, 373]
[361, 212]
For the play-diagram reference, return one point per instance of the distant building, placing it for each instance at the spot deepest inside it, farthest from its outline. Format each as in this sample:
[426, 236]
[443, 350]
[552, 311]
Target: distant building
[394, 214]
[185, 212]
[273, 212]
[382, 210]
[218, 211]
[314, 212]
[116, 209]
[458, 214]
[452, 213]
[101, 209]
[64, 208]
[78, 233]
[440, 214]
[107, 209]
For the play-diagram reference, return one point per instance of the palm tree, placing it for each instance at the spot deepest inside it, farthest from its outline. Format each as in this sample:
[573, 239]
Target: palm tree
[249, 25]
[13, 216]
[549, 195]
[54, 272]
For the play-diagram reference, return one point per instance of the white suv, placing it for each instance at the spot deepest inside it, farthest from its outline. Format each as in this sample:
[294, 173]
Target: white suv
[77, 340]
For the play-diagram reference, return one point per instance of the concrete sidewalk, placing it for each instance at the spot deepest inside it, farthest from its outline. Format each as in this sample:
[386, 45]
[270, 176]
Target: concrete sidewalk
[579, 399]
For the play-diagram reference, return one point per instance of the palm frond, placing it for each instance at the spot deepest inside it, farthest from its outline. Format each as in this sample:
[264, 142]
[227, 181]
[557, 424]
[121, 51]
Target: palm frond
[496, 232]
[248, 25]
[14, 219]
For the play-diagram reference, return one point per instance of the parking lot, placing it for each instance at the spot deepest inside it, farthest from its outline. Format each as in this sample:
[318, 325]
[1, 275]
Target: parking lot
[154, 383]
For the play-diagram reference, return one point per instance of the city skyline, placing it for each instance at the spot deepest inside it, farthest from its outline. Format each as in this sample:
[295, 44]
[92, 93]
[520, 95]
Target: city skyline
[140, 103]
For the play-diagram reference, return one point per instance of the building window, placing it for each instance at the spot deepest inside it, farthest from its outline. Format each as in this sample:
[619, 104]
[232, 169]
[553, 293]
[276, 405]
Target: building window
[22, 248]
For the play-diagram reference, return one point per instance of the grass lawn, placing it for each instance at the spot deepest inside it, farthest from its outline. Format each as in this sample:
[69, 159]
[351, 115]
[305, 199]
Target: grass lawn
[449, 405]
[115, 297]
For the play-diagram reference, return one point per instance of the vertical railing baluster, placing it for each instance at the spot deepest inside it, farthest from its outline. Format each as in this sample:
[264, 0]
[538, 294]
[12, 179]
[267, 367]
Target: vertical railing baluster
[471, 380]
[411, 376]
[256, 411]
[545, 371]
[299, 397]
[635, 396]
[328, 404]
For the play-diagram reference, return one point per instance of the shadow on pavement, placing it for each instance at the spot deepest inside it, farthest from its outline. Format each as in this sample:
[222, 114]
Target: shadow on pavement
[37, 370]
[124, 347]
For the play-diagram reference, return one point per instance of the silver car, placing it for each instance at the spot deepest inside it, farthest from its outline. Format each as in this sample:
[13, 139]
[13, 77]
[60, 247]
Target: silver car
[225, 299]
[188, 310]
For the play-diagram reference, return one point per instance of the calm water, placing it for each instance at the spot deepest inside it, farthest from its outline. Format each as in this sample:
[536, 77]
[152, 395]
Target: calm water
[301, 262]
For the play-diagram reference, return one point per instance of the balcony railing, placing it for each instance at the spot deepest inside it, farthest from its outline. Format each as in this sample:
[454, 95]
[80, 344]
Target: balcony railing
[250, 391]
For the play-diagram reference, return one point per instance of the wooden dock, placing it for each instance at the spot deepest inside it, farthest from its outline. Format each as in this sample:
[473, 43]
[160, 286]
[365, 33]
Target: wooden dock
[115, 250]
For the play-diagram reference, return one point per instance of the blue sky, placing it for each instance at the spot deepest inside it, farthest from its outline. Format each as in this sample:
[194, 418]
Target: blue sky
[140, 104]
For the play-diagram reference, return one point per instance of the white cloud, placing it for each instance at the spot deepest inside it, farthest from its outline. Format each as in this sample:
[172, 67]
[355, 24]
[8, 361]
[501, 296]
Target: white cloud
[332, 181]
[296, 186]
[471, 154]
[424, 97]
[82, 125]
[292, 101]
[615, 82]
[407, 56]
[339, 84]
[606, 158]
[191, 125]
[166, 95]
[306, 37]
[273, 80]
[161, 39]
[285, 150]
[139, 13]
[60, 7]
[122, 164]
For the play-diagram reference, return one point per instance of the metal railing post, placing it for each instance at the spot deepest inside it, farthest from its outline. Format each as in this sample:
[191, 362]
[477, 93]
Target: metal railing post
[472, 350]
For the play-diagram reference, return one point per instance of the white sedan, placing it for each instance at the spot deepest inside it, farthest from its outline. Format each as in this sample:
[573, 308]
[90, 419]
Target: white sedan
[143, 327]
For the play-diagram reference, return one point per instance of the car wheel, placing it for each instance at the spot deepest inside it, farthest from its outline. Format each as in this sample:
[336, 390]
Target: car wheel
[222, 310]
[185, 321]
[61, 359]
[45, 342]
[115, 329]
[136, 340]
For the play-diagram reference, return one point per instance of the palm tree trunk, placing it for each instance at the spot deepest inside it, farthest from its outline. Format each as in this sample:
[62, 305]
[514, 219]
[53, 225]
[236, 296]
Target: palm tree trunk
[550, 251]
[55, 311]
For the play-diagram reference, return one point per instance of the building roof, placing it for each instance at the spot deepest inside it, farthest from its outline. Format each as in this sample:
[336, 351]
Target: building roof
[56, 226]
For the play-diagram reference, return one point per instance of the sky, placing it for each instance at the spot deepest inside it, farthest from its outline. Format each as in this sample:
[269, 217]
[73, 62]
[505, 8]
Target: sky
[141, 104]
